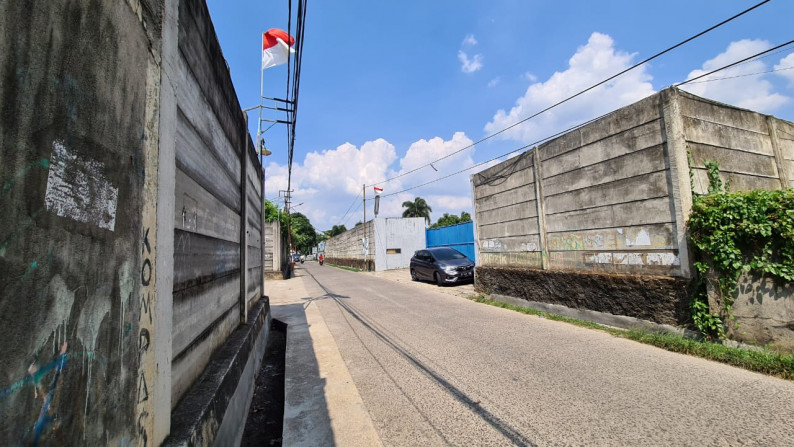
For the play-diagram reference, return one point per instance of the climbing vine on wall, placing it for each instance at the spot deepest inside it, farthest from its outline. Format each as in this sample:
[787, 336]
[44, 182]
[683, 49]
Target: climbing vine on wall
[735, 232]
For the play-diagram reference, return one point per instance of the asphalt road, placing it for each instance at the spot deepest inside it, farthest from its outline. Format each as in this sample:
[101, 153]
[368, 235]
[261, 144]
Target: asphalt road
[433, 368]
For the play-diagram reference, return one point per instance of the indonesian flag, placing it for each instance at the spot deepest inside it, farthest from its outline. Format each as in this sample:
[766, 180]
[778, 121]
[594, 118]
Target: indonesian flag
[275, 49]
[377, 190]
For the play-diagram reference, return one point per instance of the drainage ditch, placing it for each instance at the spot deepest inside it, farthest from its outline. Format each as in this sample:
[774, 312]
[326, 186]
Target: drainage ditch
[266, 414]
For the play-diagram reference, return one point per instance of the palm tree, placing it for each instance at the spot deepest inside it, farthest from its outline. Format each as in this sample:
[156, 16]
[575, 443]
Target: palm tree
[417, 208]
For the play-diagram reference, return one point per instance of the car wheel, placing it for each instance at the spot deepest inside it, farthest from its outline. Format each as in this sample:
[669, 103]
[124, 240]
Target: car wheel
[437, 277]
[413, 275]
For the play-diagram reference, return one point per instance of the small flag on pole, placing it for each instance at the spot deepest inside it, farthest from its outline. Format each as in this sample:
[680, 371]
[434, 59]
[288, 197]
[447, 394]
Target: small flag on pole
[377, 190]
[276, 47]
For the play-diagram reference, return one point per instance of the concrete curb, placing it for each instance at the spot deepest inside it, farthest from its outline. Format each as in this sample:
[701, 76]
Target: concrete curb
[210, 413]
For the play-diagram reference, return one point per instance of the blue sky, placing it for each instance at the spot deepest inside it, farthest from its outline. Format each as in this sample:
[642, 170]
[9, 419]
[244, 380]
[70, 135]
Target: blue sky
[387, 87]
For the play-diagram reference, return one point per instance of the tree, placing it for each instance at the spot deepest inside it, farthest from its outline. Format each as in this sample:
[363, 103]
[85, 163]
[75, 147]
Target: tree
[417, 208]
[271, 212]
[335, 230]
[447, 220]
[304, 236]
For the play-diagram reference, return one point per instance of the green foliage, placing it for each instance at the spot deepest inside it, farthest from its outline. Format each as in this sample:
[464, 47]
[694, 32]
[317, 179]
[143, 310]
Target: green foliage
[447, 220]
[417, 208]
[304, 236]
[734, 233]
[715, 182]
[271, 212]
[335, 230]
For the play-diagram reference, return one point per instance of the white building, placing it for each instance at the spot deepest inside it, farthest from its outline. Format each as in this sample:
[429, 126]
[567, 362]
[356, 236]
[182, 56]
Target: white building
[390, 244]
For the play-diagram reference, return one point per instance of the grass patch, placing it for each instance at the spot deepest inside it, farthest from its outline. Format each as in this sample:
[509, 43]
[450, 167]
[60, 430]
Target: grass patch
[762, 361]
[352, 269]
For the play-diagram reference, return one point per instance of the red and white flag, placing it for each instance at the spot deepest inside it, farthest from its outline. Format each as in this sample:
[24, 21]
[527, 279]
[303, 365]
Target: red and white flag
[377, 190]
[276, 47]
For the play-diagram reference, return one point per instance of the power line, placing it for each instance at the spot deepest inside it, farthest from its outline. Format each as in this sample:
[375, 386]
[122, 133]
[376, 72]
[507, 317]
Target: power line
[503, 155]
[741, 76]
[351, 206]
[578, 94]
[734, 63]
[584, 123]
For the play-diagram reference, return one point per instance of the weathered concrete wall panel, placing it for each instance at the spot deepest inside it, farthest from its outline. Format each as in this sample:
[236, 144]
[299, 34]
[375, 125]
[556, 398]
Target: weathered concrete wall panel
[73, 96]
[219, 184]
[738, 140]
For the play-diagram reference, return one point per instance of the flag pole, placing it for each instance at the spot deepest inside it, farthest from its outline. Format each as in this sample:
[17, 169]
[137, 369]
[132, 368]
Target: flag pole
[261, 94]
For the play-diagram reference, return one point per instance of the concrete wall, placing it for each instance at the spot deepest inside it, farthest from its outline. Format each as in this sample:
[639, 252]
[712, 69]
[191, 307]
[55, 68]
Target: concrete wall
[273, 247]
[129, 182]
[603, 202]
[614, 196]
[79, 82]
[754, 151]
[346, 248]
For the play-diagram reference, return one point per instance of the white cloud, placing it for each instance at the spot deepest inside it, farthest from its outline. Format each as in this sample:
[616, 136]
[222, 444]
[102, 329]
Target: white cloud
[469, 40]
[530, 77]
[327, 182]
[493, 82]
[592, 63]
[786, 65]
[469, 65]
[750, 92]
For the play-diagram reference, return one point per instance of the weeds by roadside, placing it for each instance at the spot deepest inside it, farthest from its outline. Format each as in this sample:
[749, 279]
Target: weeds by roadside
[352, 269]
[762, 361]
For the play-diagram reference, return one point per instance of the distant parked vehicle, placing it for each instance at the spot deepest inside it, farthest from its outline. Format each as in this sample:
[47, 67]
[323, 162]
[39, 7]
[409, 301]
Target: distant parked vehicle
[296, 257]
[443, 265]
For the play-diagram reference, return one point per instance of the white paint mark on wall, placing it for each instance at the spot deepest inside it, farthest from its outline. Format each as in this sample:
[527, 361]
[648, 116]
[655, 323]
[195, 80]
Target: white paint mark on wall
[529, 246]
[91, 318]
[643, 238]
[126, 287]
[76, 189]
[662, 259]
[628, 258]
[58, 316]
[599, 258]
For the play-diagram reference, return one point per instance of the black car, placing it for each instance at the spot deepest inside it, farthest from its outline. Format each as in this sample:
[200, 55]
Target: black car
[441, 264]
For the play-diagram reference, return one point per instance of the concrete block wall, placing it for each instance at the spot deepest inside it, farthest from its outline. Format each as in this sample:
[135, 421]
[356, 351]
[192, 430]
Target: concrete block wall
[602, 202]
[346, 248]
[614, 196]
[219, 199]
[130, 242]
[754, 151]
[273, 247]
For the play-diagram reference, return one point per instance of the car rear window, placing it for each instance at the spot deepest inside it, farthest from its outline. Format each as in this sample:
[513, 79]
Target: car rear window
[446, 254]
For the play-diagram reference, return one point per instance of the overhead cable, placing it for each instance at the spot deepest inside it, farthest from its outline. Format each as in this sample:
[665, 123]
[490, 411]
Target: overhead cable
[732, 64]
[577, 94]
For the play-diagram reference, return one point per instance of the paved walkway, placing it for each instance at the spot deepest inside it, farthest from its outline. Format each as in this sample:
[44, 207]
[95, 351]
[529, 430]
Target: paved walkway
[322, 406]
